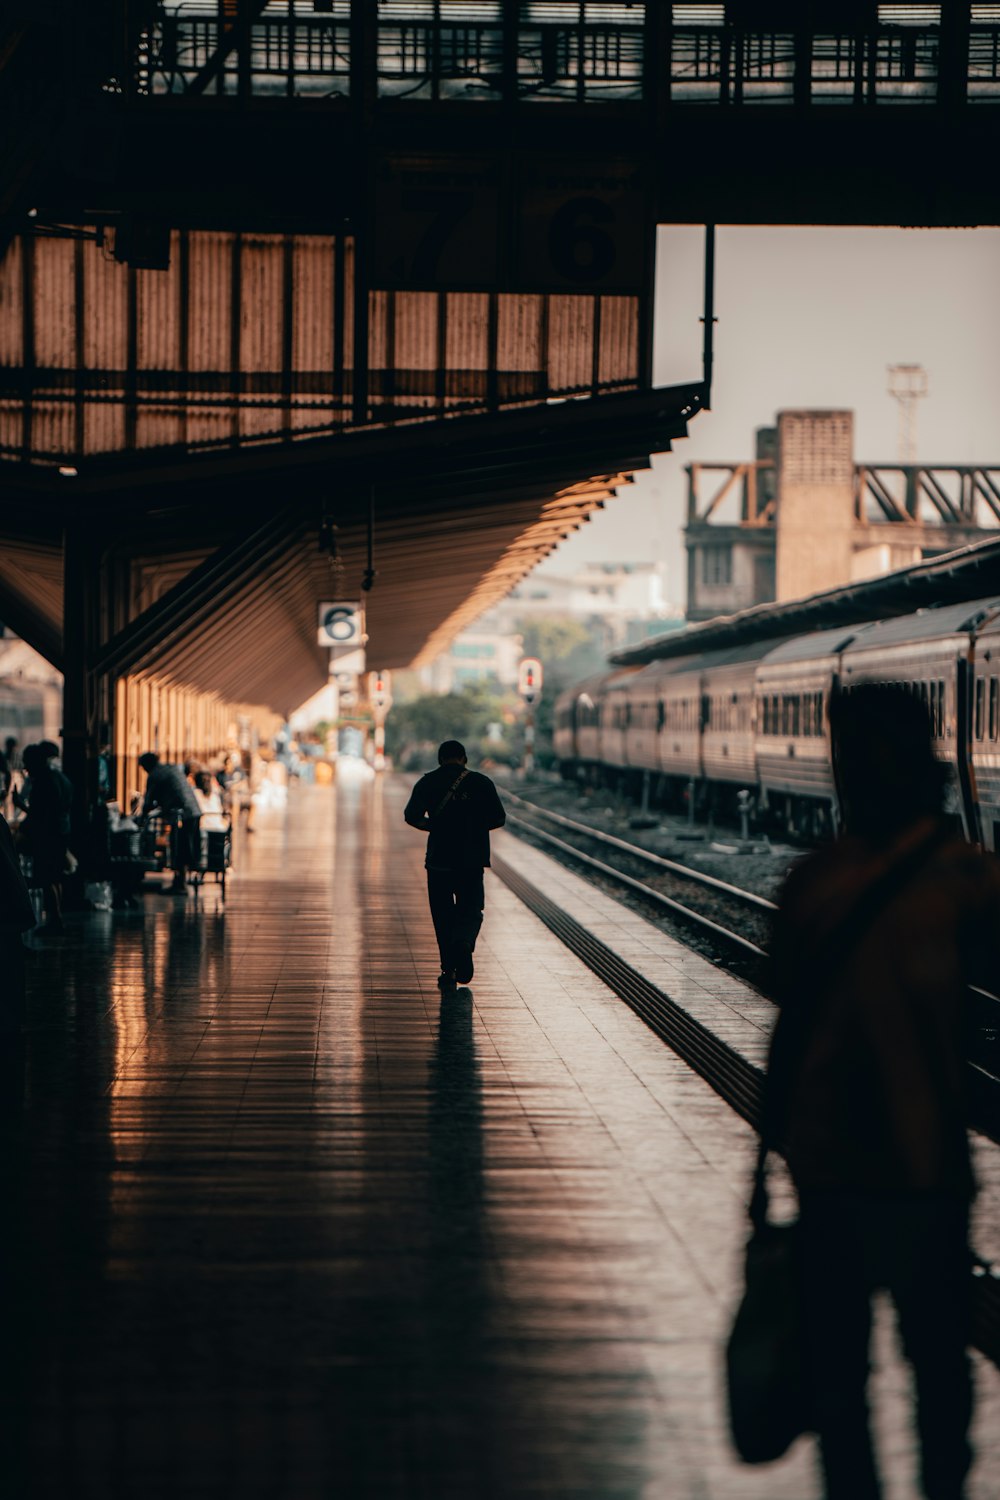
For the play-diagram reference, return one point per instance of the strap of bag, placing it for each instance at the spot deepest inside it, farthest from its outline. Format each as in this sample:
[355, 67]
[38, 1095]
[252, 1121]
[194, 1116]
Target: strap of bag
[450, 792]
[836, 947]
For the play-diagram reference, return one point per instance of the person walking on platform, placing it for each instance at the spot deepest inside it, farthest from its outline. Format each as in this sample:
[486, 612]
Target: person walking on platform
[456, 808]
[875, 943]
[169, 791]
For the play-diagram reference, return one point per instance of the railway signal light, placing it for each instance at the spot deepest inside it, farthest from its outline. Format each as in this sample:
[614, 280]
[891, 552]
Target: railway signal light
[529, 678]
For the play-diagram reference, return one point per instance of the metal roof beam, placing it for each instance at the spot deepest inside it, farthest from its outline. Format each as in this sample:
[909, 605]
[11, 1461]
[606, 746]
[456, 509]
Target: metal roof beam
[30, 623]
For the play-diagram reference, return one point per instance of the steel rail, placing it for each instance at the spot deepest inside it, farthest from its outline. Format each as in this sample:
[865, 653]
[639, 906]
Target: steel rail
[696, 877]
[645, 891]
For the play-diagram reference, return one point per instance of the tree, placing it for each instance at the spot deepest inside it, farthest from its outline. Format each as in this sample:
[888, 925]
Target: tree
[422, 724]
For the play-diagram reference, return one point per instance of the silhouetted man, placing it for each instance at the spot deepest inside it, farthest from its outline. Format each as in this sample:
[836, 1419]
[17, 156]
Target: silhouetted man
[456, 808]
[875, 943]
[168, 789]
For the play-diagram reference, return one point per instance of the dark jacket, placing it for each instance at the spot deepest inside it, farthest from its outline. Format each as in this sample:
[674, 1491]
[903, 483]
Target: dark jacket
[458, 834]
[866, 1081]
[16, 910]
[168, 788]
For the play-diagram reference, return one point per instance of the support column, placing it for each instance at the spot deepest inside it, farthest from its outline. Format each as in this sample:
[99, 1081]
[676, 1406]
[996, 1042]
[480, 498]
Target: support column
[81, 637]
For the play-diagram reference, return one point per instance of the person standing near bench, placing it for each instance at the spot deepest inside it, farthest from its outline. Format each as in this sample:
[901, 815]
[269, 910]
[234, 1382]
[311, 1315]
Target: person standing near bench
[169, 791]
[456, 808]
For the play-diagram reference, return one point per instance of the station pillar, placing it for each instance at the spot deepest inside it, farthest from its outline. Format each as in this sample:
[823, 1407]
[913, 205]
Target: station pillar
[81, 639]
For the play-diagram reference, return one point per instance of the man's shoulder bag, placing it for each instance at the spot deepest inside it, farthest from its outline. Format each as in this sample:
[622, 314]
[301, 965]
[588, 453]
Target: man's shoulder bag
[437, 811]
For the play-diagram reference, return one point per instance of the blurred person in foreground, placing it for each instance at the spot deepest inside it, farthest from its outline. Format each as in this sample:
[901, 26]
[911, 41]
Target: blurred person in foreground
[456, 808]
[876, 940]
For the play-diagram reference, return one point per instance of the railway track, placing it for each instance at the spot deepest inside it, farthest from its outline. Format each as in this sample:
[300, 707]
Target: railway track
[729, 916]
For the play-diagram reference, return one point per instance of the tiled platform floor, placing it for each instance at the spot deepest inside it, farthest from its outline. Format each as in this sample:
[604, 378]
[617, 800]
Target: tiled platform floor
[280, 1222]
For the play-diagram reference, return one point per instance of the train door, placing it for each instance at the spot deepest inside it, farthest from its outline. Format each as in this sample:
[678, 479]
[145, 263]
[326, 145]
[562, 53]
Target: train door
[964, 691]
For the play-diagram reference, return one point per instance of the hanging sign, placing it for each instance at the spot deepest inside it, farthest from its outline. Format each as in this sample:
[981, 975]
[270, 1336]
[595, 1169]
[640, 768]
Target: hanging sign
[340, 624]
[349, 663]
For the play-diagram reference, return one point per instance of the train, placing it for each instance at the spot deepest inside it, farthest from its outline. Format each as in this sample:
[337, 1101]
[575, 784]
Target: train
[753, 719]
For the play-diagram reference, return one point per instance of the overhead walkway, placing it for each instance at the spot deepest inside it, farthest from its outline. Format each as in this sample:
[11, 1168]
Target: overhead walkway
[283, 1222]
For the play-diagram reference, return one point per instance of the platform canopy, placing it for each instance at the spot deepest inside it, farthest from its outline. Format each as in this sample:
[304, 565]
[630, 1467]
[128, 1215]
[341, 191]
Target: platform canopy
[216, 562]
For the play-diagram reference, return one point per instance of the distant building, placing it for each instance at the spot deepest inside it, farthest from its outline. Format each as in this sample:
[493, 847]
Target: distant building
[487, 653]
[803, 516]
[622, 603]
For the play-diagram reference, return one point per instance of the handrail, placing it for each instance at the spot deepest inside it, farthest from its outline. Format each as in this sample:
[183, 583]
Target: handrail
[422, 58]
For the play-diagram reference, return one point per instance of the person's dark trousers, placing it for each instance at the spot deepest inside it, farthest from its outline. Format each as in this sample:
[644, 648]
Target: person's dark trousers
[185, 845]
[457, 900]
[916, 1247]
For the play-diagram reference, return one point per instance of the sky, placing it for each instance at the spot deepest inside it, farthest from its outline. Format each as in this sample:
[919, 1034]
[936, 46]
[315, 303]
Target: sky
[811, 318]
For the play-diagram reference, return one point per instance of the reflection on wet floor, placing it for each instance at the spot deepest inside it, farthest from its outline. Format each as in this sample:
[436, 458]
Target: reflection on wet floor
[285, 1223]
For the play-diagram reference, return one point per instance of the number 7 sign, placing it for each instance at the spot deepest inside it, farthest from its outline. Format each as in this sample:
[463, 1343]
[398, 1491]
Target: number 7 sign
[436, 225]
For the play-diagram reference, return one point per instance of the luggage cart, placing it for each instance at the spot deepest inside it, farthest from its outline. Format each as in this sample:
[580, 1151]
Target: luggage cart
[216, 859]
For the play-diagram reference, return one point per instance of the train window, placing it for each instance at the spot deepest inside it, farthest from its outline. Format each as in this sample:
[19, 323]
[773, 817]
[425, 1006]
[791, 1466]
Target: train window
[980, 686]
[994, 706]
[661, 714]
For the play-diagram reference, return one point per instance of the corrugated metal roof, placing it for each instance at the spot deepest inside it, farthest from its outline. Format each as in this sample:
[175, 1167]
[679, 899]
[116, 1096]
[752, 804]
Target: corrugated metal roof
[250, 337]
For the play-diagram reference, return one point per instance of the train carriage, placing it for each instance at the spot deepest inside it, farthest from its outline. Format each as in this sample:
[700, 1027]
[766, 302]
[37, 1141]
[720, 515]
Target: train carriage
[645, 715]
[614, 719]
[729, 714]
[985, 737]
[648, 693]
[680, 734]
[794, 682]
[577, 731]
[931, 652]
[758, 716]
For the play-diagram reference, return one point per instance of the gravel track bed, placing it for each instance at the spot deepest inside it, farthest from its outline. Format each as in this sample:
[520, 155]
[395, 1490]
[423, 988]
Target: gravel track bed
[727, 911]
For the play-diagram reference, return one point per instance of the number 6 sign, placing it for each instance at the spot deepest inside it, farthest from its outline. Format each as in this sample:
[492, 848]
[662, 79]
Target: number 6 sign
[582, 227]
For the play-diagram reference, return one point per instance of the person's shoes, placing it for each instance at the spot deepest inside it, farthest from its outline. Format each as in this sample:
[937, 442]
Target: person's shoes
[446, 979]
[464, 967]
[179, 888]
